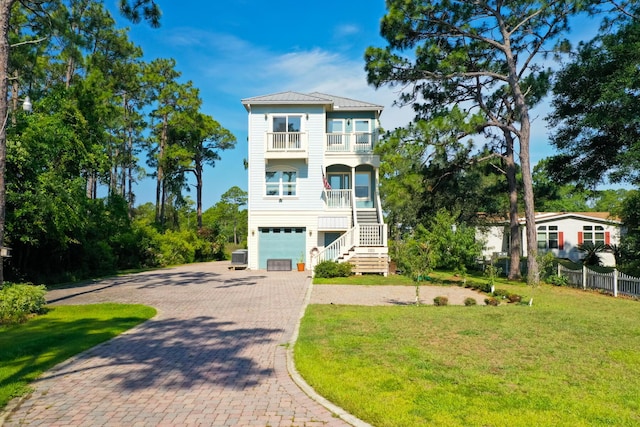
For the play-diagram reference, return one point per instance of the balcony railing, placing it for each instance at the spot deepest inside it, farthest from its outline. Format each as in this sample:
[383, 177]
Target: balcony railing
[359, 142]
[338, 199]
[286, 141]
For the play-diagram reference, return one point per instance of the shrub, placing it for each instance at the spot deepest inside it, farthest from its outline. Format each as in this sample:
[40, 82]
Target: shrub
[501, 293]
[470, 301]
[328, 269]
[440, 301]
[491, 301]
[17, 302]
[514, 298]
[557, 280]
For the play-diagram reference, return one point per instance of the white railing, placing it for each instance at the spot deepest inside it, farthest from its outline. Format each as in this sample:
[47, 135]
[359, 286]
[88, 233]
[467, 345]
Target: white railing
[338, 199]
[614, 282]
[361, 142]
[373, 234]
[286, 141]
[340, 246]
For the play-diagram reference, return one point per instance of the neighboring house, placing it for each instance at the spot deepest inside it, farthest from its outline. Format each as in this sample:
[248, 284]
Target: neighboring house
[313, 182]
[557, 232]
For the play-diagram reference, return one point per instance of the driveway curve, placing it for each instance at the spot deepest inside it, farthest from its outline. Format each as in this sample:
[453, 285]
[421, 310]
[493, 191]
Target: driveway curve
[214, 355]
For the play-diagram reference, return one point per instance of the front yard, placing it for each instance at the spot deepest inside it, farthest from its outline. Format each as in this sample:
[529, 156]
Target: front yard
[571, 359]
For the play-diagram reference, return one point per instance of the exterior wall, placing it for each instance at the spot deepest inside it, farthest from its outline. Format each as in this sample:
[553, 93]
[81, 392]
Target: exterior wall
[307, 208]
[495, 237]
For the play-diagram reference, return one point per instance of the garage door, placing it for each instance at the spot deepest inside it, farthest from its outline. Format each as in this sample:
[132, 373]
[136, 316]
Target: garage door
[280, 243]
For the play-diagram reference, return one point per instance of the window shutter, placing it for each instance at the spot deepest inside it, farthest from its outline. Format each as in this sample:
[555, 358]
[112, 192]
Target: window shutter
[561, 240]
[607, 238]
[580, 238]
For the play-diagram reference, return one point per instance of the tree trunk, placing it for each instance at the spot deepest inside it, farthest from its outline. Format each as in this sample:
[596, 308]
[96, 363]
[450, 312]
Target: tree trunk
[515, 241]
[524, 135]
[5, 13]
[160, 174]
[199, 192]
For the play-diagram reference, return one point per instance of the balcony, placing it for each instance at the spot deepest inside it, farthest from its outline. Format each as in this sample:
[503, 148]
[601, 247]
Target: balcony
[338, 199]
[359, 142]
[286, 145]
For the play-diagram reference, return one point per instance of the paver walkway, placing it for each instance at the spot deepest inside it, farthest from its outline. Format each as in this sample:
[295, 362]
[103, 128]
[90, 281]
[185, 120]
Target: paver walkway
[214, 355]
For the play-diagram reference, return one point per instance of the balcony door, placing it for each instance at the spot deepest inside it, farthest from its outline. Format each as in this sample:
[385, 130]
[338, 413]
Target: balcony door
[336, 138]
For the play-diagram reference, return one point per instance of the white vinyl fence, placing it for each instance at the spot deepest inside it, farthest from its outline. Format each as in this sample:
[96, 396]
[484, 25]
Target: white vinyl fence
[614, 282]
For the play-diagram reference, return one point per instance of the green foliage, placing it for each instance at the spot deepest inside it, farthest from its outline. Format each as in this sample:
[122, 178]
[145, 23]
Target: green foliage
[470, 301]
[591, 253]
[416, 257]
[557, 280]
[440, 301]
[19, 301]
[454, 246]
[492, 272]
[595, 110]
[329, 269]
[547, 265]
[492, 301]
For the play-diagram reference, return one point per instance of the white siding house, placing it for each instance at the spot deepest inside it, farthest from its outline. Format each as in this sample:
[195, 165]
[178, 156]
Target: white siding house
[557, 232]
[313, 182]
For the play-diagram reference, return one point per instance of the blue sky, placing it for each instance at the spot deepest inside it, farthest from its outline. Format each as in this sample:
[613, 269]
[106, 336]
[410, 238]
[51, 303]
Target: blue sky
[238, 49]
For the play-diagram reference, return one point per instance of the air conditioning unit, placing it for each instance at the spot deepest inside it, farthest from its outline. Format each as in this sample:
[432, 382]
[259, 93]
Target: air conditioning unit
[239, 257]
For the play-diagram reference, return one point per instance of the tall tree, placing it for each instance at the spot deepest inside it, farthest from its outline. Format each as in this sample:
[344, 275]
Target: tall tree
[135, 10]
[596, 110]
[479, 55]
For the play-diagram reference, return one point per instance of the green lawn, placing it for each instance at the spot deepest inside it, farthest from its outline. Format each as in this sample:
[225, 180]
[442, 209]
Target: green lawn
[29, 349]
[571, 359]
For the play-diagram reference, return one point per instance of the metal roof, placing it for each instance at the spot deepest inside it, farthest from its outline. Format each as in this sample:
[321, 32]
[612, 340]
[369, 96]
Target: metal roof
[315, 98]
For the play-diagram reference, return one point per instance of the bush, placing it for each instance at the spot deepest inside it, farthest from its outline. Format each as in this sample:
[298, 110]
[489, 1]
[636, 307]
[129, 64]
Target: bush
[492, 301]
[557, 280]
[440, 301]
[470, 301]
[17, 302]
[514, 298]
[328, 269]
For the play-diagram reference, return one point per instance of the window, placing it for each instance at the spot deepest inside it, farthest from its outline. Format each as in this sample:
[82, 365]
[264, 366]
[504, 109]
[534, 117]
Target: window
[287, 123]
[335, 132]
[550, 238]
[363, 133]
[594, 234]
[280, 182]
[339, 181]
[363, 185]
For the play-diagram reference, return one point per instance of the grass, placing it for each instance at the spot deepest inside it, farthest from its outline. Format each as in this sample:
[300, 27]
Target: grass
[572, 359]
[29, 349]
[434, 278]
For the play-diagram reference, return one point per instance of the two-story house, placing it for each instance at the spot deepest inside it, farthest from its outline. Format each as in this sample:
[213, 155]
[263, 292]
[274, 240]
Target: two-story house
[313, 182]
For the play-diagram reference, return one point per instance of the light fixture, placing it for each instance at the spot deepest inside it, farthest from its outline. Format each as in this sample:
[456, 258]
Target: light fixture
[310, 233]
[26, 104]
[266, 116]
[253, 232]
[307, 116]
[348, 122]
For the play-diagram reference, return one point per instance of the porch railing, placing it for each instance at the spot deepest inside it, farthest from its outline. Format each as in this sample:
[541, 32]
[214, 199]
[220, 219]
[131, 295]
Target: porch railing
[372, 234]
[362, 235]
[359, 142]
[286, 141]
[338, 199]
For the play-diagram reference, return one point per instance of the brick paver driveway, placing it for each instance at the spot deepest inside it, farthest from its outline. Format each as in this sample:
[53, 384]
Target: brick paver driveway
[214, 355]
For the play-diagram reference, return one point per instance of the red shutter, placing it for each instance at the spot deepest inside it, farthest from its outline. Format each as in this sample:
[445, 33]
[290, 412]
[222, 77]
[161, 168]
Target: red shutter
[607, 238]
[580, 238]
[561, 240]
